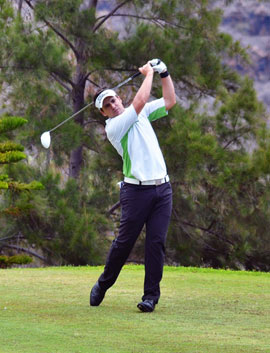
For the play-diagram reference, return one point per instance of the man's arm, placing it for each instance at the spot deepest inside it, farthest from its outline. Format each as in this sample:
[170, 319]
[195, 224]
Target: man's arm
[143, 94]
[168, 92]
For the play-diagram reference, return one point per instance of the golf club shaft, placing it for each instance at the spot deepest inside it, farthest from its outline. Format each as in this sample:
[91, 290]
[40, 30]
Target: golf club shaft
[88, 105]
[72, 116]
[127, 80]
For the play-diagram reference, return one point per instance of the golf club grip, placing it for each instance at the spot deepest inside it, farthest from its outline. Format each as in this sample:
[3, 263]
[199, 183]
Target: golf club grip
[135, 75]
[139, 73]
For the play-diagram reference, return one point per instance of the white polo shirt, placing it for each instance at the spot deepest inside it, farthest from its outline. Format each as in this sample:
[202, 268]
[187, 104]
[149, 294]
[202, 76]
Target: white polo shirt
[135, 140]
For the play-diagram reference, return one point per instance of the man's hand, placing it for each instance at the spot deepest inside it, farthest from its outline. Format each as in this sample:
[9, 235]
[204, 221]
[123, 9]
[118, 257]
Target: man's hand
[146, 69]
[158, 65]
[143, 94]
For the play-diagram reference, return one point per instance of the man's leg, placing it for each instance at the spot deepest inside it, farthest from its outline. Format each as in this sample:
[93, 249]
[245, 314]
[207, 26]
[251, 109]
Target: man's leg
[156, 230]
[119, 252]
[136, 204]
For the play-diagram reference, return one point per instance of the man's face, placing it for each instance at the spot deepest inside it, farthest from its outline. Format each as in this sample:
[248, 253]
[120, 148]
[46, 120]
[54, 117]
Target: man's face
[112, 106]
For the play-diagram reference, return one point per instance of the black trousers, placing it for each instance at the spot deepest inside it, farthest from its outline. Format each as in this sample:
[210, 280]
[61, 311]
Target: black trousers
[150, 205]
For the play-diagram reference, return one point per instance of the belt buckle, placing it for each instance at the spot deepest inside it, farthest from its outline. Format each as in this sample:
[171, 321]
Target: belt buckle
[158, 182]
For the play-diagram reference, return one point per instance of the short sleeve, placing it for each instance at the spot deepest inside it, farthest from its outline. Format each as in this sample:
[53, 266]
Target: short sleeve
[117, 127]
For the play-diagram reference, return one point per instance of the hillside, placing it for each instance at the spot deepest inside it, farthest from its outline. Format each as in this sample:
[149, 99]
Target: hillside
[249, 22]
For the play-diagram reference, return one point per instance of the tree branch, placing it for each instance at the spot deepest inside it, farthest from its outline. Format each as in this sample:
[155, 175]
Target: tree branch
[98, 25]
[151, 19]
[56, 78]
[24, 250]
[181, 224]
[93, 83]
[17, 67]
[203, 90]
[11, 237]
[91, 121]
[208, 231]
[236, 138]
[114, 207]
[56, 31]
[86, 78]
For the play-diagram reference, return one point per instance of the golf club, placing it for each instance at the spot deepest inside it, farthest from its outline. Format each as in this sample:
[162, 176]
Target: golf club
[46, 136]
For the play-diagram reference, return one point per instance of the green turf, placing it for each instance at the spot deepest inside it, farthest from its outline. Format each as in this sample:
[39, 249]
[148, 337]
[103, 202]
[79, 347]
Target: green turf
[200, 311]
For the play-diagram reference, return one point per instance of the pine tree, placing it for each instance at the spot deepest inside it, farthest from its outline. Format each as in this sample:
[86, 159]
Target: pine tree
[57, 222]
[11, 152]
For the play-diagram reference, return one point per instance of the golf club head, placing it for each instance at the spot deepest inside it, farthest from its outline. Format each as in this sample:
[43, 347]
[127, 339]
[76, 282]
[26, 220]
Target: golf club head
[46, 139]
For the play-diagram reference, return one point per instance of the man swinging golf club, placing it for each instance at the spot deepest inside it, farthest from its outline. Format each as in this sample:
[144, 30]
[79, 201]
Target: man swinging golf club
[145, 195]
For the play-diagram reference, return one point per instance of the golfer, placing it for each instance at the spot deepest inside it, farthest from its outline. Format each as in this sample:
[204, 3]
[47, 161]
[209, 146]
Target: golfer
[145, 194]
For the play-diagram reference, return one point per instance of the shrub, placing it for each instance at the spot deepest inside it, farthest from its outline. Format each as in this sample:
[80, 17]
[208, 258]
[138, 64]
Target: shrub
[8, 261]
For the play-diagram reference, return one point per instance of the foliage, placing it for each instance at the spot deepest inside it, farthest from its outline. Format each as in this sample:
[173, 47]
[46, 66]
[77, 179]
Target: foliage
[60, 221]
[9, 123]
[219, 188]
[8, 261]
[10, 153]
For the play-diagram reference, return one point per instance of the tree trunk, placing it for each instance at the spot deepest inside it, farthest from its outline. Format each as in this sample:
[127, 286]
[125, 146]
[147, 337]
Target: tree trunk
[76, 156]
[20, 7]
[75, 162]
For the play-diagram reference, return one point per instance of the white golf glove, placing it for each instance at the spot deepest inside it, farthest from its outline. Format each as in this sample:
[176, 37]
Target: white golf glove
[158, 65]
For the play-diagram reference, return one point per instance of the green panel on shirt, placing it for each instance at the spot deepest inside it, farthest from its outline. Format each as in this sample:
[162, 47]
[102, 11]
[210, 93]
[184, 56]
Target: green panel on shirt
[126, 159]
[159, 113]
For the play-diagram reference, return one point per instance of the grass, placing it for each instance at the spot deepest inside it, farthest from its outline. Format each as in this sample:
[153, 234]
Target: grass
[47, 310]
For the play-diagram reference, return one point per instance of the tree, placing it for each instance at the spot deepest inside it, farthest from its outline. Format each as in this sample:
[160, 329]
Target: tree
[11, 152]
[56, 221]
[55, 225]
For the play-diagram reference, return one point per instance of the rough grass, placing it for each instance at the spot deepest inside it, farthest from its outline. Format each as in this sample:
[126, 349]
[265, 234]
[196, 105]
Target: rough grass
[200, 311]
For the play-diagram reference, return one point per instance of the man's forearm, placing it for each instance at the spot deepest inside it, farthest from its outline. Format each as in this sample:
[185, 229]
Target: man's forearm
[143, 94]
[168, 92]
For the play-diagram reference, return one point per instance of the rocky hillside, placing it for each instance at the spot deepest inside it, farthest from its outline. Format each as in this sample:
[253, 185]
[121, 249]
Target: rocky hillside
[249, 22]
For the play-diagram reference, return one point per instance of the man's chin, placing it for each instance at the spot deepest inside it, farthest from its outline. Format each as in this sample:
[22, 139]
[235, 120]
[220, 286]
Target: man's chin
[117, 113]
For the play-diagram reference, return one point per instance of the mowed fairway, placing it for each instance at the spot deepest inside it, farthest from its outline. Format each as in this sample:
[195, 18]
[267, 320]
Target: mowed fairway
[200, 311]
